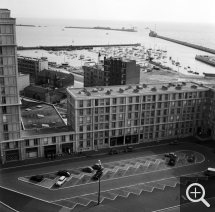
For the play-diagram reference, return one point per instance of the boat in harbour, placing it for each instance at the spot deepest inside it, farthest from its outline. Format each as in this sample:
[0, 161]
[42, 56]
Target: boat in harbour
[209, 74]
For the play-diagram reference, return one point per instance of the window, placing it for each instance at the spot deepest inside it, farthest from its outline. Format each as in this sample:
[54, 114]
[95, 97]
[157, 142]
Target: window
[80, 120]
[101, 110]
[26, 142]
[101, 118]
[120, 116]
[114, 109]
[114, 101]
[166, 96]
[144, 98]
[89, 103]
[96, 118]
[136, 107]
[81, 103]
[81, 112]
[173, 96]
[136, 114]
[107, 109]
[4, 118]
[113, 124]
[4, 109]
[121, 109]
[45, 140]
[129, 123]
[81, 128]
[5, 128]
[3, 100]
[6, 137]
[130, 99]
[36, 141]
[88, 135]
[96, 127]
[114, 117]
[101, 102]
[88, 143]
[81, 144]
[88, 119]
[160, 97]
[121, 100]
[3, 90]
[113, 132]
[81, 136]
[88, 111]
[96, 102]
[1, 71]
[135, 130]
[129, 115]
[137, 99]
[95, 142]
[135, 122]
[96, 110]
[15, 144]
[106, 117]
[129, 107]
[88, 127]
[107, 126]
[1, 81]
[63, 138]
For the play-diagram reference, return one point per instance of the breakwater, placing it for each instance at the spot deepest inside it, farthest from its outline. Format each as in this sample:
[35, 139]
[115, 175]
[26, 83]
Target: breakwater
[206, 59]
[202, 48]
[69, 48]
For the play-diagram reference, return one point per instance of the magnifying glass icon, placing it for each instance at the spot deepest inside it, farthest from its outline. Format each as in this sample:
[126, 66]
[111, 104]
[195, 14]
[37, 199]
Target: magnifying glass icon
[198, 189]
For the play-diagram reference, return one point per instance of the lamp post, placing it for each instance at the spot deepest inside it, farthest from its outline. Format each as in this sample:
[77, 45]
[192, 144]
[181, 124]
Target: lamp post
[100, 170]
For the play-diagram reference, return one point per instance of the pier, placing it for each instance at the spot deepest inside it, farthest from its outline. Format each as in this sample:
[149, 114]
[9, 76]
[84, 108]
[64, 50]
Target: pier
[76, 47]
[206, 59]
[202, 48]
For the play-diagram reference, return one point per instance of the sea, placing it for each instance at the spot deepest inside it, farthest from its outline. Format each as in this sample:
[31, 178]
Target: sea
[49, 32]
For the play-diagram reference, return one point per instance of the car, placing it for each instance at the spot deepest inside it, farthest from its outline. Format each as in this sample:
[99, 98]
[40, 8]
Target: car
[191, 158]
[97, 175]
[114, 151]
[37, 178]
[61, 181]
[64, 173]
[175, 142]
[171, 155]
[172, 161]
[129, 149]
[97, 167]
[88, 169]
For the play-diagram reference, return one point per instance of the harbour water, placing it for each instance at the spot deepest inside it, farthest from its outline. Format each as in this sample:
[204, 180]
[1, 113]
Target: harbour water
[55, 34]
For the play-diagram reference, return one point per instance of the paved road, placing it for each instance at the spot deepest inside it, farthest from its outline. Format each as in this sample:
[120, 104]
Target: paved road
[9, 178]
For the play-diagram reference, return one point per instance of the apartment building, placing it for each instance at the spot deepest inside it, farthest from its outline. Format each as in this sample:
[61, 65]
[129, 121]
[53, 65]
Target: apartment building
[120, 115]
[121, 71]
[10, 128]
[93, 75]
[115, 71]
[32, 66]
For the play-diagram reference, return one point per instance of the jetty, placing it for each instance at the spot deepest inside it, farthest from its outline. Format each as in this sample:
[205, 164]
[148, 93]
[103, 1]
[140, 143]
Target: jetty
[25, 25]
[105, 28]
[202, 48]
[71, 47]
[206, 59]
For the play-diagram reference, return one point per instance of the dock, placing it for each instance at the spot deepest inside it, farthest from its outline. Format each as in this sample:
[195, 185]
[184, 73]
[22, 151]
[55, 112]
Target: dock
[206, 59]
[69, 48]
[202, 48]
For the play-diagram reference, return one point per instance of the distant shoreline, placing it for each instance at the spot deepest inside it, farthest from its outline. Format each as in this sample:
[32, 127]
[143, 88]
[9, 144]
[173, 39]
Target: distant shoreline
[25, 25]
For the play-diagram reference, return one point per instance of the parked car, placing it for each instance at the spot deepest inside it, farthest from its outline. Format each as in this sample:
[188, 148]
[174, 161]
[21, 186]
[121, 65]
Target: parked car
[88, 169]
[191, 158]
[172, 161]
[64, 173]
[175, 142]
[97, 167]
[171, 155]
[129, 149]
[97, 175]
[114, 151]
[60, 181]
[37, 178]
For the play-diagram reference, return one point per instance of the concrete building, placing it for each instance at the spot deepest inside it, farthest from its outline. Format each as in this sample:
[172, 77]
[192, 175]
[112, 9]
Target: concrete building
[55, 79]
[120, 115]
[10, 119]
[115, 71]
[32, 66]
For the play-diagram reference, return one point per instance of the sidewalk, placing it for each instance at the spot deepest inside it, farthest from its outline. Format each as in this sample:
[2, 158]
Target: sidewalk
[92, 153]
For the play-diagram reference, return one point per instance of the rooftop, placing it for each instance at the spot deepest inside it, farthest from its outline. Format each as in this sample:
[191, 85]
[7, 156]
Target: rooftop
[40, 115]
[136, 90]
[30, 58]
[45, 131]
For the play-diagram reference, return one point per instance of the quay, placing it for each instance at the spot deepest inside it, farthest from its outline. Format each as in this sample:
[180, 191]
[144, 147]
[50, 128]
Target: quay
[206, 59]
[202, 48]
[69, 48]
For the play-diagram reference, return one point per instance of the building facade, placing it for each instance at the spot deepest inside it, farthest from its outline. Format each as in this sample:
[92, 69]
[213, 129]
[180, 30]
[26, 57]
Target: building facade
[10, 119]
[120, 115]
[115, 71]
[32, 66]
[119, 71]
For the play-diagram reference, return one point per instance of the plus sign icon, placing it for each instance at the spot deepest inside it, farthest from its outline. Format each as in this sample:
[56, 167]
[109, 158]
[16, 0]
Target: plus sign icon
[195, 192]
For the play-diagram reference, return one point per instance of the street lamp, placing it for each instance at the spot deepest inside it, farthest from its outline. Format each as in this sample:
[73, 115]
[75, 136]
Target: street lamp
[100, 170]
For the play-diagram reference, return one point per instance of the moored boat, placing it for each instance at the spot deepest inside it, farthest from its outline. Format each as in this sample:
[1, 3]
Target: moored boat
[209, 74]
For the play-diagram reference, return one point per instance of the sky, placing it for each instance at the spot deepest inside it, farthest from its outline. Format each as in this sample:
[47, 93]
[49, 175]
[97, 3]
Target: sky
[198, 11]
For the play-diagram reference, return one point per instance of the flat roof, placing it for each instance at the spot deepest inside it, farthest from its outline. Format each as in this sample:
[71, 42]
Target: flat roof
[37, 114]
[31, 58]
[46, 131]
[128, 90]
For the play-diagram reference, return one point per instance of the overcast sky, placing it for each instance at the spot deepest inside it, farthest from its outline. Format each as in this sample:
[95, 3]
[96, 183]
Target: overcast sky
[143, 10]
